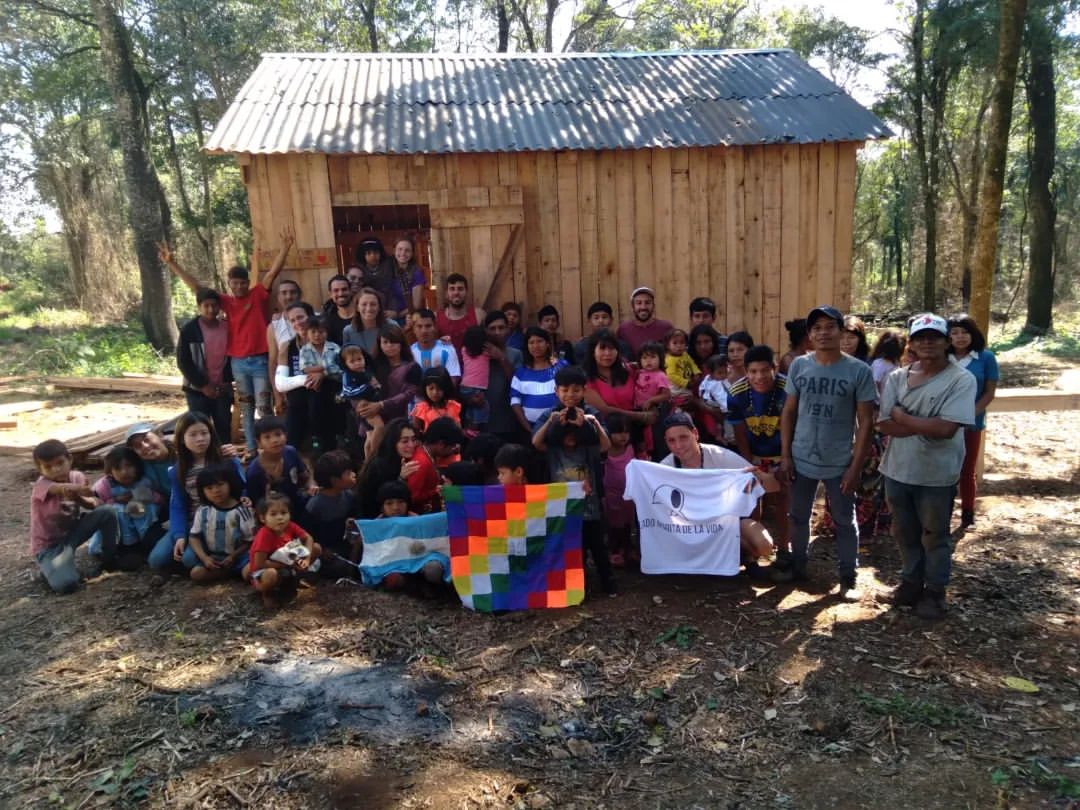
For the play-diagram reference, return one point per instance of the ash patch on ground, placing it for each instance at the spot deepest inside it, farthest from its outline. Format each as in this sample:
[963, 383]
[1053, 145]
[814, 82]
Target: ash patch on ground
[308, 698]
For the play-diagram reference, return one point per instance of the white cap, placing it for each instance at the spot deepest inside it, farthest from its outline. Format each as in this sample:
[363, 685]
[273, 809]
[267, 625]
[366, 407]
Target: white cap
[928, 320]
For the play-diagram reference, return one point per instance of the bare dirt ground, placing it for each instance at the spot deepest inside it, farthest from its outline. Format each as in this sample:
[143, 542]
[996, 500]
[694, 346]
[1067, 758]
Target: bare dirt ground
[681, 692]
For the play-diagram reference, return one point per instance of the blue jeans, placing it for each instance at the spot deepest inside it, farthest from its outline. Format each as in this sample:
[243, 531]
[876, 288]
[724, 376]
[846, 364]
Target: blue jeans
[842, 509]
[57, 562]
[252, 388]
[920, 524]
[161, 555]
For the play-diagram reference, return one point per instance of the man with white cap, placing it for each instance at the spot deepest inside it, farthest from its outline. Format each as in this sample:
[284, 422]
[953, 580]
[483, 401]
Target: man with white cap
[828, 394]
[643, 326]
[923, 408]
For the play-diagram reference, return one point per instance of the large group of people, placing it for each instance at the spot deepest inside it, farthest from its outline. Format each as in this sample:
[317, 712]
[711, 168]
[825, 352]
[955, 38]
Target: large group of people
[365, 405]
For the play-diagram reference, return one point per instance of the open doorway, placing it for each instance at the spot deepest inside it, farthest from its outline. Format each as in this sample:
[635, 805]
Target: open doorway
[387, 223]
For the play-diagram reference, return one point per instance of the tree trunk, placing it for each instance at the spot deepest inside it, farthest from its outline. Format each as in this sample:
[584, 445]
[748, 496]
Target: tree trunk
[148, 211]
[997, 142]
[502, 20]
[1042, 109]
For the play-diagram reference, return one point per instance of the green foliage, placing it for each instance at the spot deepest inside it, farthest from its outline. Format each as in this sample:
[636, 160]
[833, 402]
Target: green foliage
[1037, 774]
[682, 636]
[922, 712]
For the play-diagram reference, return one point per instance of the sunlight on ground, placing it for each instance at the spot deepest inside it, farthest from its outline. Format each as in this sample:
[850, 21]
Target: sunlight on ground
[48, 318]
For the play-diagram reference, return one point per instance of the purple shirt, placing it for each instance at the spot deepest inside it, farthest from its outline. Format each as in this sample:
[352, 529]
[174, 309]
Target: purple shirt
[635, 335]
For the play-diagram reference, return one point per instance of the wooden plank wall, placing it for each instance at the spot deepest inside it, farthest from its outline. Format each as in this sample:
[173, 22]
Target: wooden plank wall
[765, 231]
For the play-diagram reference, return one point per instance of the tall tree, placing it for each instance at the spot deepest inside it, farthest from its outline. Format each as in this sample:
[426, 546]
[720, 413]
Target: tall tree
[148, 210]
[1042, 113]
[1010, 33]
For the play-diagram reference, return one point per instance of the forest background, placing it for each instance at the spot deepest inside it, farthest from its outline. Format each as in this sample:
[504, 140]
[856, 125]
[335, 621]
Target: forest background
[104, 108]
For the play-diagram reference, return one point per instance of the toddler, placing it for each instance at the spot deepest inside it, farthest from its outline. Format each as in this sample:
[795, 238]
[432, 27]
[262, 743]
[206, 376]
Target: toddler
[713, 393]
[131, 495]
[680, 367]
[475, 370]
[618, 513]
[277, 579]
[358, 385]
[652, 388]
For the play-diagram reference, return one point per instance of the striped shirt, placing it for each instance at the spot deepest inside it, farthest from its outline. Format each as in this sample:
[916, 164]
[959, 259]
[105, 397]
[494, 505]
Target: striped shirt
[222, 531]
[534, 390]
[441, 355]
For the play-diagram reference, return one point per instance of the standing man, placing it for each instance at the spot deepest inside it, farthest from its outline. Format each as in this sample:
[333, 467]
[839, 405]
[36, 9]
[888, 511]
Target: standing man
[923, 408]
[246, 310]
[503, 361]
[643, 326]
[339, 310]
[828, 393]
[203, 360]
[456, 316]
[430, 352]
[279, 331]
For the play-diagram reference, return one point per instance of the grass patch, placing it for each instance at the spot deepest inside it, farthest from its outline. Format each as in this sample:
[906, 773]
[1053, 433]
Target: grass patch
[1062, 345]
[1037, 774]
[922, 712]
[40, 339]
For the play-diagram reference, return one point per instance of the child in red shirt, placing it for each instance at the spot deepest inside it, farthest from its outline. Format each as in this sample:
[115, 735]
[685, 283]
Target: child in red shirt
[276, 580]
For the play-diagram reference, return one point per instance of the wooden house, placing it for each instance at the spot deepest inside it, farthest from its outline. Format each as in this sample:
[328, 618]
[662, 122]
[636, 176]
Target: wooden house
[563, 179]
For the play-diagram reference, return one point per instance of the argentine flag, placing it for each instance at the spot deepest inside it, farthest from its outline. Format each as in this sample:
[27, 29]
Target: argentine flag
[403, 545]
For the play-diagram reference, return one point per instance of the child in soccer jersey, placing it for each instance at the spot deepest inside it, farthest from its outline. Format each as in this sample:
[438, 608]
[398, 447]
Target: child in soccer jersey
[222, 528]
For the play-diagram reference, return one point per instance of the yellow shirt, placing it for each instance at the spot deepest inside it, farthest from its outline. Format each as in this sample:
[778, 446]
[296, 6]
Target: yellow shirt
[681, 369]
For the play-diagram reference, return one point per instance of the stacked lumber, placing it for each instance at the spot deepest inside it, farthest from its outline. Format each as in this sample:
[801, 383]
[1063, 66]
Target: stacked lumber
[90, 449]
[137, 383]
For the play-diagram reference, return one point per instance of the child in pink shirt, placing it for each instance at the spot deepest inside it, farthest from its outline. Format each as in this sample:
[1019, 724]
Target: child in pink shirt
[618, 513]
[475, 373]
[652, 388]
[64, 514]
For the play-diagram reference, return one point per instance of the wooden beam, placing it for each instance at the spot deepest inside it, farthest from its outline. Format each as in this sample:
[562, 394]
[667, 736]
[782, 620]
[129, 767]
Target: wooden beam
[1011, 400]
[366, 198]
[506, 264]
[477, 216]
[134, 384]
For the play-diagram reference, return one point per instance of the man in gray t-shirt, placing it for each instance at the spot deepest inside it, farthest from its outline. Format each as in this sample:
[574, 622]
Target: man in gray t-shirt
[923, 408]
[828, 393]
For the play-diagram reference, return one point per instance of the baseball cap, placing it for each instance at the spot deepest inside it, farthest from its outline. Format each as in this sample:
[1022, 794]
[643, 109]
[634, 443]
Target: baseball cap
[829, 312]
[928, 321]
[444, 429]
[639, 290]
[137, 430]
[678, 419]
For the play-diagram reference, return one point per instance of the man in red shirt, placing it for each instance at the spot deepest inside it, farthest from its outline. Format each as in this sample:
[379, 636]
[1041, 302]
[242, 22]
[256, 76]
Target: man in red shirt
[643, 326]
[246, 312]
[454, 318]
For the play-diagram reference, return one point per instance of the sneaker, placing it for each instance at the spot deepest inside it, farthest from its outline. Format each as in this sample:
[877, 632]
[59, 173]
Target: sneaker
[907, 594]
[610, 587]
[932, 606]
[782, 568]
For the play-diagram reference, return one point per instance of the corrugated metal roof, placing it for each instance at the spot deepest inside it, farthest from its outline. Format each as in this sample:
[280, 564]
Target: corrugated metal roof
[436, 103]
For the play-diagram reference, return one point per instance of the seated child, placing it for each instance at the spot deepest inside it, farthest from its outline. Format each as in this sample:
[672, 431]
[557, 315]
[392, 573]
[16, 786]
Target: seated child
[475, 368]
[572, 439]
[395, 500]
[618, 513]
[328, 511]
[713, 395]
[222, 528]
[278, 581]
[132, 497]
[64, 515]
[512, 461]
[680, 367]
[279, 466]
[436, 398]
